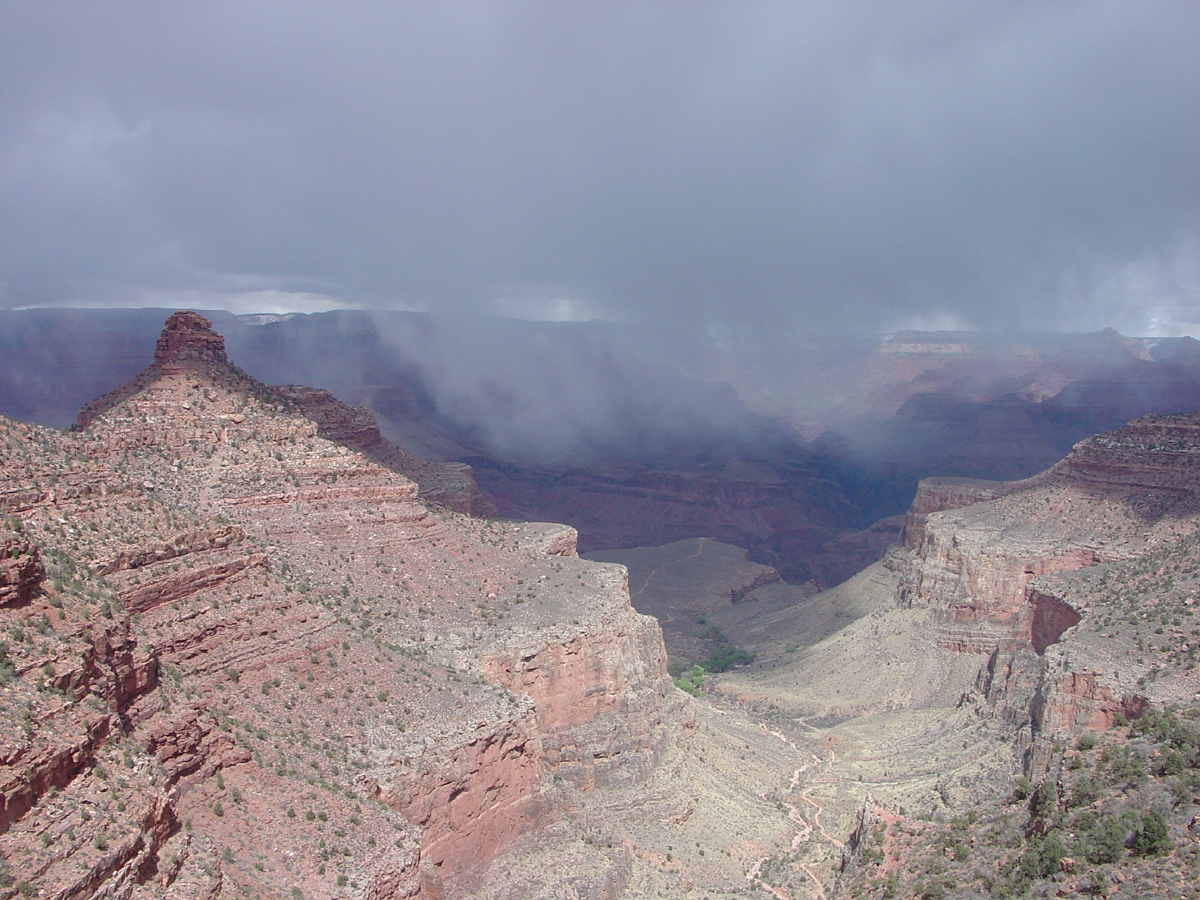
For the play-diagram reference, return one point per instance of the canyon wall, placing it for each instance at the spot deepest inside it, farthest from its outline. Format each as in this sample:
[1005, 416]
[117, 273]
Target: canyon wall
[239, 619]
[996, 562]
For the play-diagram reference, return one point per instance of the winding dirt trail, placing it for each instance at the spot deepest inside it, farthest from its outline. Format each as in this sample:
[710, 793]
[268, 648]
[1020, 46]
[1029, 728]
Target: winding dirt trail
[670, 562]
[806, 828]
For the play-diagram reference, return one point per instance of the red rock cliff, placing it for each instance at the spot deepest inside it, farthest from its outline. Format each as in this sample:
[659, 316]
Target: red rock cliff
[983, 565]
[306, 633]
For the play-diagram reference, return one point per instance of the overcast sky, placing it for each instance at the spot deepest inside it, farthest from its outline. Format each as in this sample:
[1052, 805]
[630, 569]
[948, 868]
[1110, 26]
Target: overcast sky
[801, 165]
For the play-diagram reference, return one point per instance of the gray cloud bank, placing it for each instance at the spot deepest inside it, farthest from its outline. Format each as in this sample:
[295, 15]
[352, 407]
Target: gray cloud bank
[723, 166]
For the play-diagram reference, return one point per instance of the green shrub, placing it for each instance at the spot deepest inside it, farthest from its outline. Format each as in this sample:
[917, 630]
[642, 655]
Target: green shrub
[7, 669]
[1106, 842]
[1085, 792]
[691, 680]
[1153, 837]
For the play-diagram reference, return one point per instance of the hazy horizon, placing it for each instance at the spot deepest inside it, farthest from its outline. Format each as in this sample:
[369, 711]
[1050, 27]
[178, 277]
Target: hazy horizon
[712, 166]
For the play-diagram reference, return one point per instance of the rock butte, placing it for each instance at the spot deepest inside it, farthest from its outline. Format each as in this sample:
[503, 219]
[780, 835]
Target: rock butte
[215, 572]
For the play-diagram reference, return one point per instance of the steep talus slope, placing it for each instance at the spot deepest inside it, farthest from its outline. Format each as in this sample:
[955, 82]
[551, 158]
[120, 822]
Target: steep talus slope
[242, 659]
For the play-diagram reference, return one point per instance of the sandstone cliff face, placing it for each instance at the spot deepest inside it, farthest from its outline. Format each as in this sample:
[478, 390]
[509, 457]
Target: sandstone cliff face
[472, 801]
[938, 494]
[226, 618]
[602, 695]
[977, 545]
[991, 560]
[1155, 456]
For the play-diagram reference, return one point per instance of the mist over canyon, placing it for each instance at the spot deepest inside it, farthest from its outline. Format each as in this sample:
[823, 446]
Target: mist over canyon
[527, 450]
[252, 645]
[791, 446]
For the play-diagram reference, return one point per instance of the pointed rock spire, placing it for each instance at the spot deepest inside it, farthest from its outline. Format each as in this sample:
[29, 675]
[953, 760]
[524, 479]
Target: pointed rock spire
[188, 337]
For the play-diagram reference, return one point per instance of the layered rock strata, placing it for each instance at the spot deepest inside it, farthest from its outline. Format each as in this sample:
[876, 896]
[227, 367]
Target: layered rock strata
[188, 343]
[449, 484]
[991, 559]
[218, 616]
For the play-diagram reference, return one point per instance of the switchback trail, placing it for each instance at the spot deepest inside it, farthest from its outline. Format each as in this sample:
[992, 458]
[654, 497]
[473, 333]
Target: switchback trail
[806, 828]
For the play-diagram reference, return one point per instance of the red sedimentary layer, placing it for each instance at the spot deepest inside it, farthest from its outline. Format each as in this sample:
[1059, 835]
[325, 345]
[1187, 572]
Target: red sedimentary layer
[449, 484]
[976, 549]
[20, 571]
[601, 700]
[473, 800]
[248, 625]
[177, 587]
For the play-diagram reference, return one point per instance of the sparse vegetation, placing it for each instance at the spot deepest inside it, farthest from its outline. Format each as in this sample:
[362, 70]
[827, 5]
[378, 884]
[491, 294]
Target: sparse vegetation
[691, 680]
[723, 654]
[1115, 808]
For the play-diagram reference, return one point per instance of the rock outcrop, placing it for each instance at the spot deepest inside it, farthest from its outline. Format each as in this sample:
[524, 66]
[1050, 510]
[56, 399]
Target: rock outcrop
[189, 345]
[20, 570]
[188, 340]
[220, 616]
[602, 698]
[940, 494]
[977, 546]
[449, 484]
[997, 562]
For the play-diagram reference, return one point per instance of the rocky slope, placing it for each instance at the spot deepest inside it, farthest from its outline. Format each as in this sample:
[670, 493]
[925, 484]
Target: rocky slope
[241, 659]
[449, 484]
[781, 444]
[1013, 621]
[999, 571]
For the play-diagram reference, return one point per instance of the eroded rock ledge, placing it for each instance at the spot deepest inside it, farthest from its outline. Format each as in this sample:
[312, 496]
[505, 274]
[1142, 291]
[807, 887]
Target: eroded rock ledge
[989, 559]
[241, 618]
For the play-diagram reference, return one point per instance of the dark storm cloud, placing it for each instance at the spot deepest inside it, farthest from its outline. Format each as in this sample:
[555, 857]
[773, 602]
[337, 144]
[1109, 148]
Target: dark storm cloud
[718, 164]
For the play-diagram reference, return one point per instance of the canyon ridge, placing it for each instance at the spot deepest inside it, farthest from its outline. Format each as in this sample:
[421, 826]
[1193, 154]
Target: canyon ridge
[252, 647]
